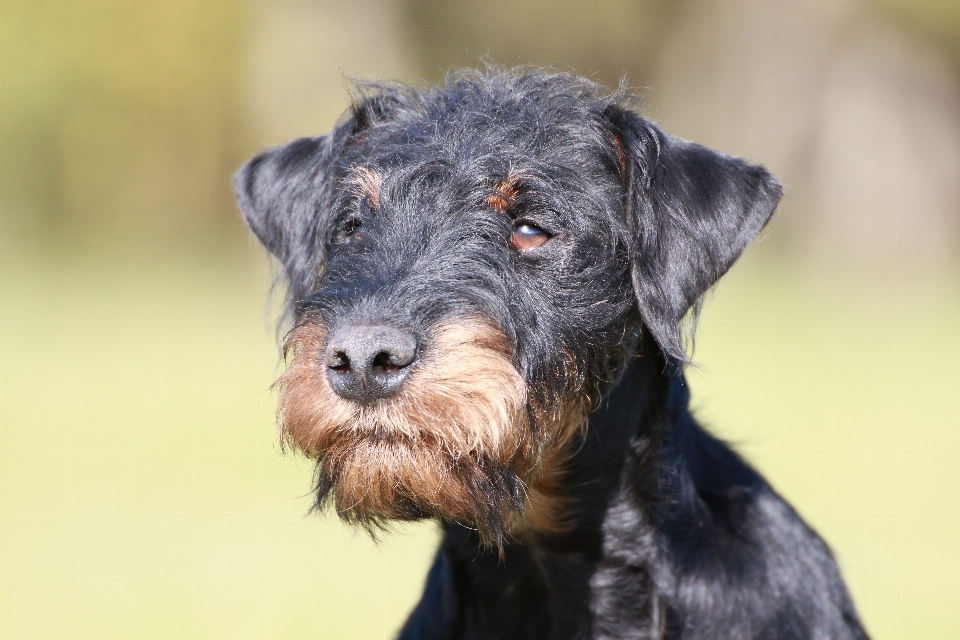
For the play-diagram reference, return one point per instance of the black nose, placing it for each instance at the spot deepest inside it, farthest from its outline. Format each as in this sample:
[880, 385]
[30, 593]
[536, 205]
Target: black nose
[369, 362]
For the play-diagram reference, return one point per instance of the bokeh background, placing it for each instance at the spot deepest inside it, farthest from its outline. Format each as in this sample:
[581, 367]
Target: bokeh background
[142, 492]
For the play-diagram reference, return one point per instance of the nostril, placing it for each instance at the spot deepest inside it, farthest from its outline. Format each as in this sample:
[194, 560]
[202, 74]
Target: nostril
[384, 362]
[339, 362]
[369, 362]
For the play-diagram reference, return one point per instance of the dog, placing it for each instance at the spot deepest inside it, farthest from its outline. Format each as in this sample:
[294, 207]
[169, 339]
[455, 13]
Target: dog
[491, 285]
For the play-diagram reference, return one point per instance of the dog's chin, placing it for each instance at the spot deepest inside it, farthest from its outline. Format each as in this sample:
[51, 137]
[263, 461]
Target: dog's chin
[372, 479]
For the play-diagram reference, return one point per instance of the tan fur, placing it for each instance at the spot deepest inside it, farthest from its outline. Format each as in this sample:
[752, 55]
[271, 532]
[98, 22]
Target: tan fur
[461, 415]
[546, 505]
[464, 392]
[621, 155]
[505, 194]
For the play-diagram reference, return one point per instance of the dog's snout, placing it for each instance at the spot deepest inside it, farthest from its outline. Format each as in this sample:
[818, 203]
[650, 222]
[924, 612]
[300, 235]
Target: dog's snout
[369, 362]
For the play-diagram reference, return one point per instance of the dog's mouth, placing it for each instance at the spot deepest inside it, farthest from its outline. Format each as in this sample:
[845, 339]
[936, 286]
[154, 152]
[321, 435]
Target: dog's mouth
[454, 441]
[464, 392]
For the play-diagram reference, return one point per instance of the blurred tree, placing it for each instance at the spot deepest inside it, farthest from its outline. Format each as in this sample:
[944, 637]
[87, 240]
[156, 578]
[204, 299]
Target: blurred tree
[302, 53]
[121, 120]
[602, 39]
[853, 103]
[936, 21]
[859, 117]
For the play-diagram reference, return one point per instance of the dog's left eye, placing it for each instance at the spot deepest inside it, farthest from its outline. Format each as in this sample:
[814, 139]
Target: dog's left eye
[527, 236]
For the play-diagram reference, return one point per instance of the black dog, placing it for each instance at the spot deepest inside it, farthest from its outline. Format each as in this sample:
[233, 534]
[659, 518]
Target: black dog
[488, 281]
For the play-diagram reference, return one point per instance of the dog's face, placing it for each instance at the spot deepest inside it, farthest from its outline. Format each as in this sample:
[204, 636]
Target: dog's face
[469, 268]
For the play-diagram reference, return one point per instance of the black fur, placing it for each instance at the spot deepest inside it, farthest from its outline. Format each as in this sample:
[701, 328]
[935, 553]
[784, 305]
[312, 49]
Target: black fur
[672, 534]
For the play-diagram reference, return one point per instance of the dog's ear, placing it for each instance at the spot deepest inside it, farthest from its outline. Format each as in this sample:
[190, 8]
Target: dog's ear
[690, 213]
[286, 194]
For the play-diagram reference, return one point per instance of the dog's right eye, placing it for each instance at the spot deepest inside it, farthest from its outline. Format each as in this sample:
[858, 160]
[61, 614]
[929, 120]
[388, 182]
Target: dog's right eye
[351, 226]
[349, 231]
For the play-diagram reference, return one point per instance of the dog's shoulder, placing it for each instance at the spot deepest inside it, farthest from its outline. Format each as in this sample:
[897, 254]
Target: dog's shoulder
[725, 551]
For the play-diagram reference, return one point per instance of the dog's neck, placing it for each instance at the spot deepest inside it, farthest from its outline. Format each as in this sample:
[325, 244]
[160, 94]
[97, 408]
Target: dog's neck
[616, 466]
[566, 508]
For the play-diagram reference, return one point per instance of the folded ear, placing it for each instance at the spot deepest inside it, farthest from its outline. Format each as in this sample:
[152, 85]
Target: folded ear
[286, 194]
[284, 197]
[690, 213]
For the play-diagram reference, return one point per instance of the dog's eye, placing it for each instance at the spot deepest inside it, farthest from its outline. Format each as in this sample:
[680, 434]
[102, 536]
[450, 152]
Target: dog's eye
[350, 231]
[527, 236]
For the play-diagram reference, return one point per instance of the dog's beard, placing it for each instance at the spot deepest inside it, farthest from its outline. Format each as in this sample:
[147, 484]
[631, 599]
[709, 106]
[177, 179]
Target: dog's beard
[456, 442]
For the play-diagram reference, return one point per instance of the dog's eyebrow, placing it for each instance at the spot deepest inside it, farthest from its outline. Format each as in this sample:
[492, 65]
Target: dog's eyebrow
[504, 193]
[366, 182]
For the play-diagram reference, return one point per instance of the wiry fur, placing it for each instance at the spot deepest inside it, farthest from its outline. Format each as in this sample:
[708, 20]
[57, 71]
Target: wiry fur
[453, 444]
[545, 421]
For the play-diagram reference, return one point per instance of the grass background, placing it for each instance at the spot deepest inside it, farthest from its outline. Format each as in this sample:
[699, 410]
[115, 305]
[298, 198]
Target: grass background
[142, 493]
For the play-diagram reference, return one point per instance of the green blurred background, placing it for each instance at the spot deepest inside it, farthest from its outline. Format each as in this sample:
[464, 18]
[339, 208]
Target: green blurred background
[142, 492]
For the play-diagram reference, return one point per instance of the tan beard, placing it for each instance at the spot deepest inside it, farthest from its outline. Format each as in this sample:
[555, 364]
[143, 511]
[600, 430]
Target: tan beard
[456, 442]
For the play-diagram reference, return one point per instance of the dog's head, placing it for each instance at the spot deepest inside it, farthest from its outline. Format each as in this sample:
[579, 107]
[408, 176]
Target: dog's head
[468, 267]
